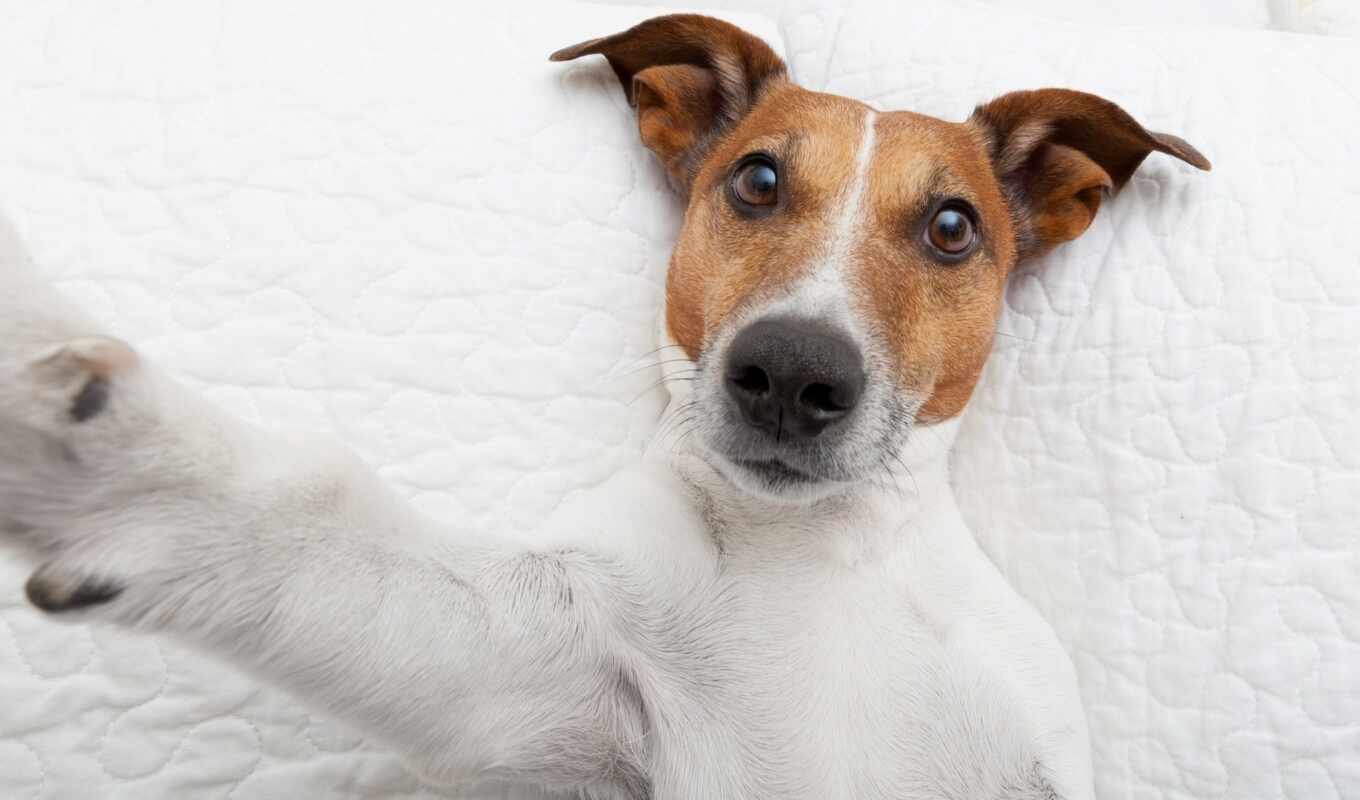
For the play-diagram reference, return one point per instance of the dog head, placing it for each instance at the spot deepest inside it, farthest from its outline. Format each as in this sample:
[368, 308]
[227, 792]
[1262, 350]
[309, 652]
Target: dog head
[840, 271]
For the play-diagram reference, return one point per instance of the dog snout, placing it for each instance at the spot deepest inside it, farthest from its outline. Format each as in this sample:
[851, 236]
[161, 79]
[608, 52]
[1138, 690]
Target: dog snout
[794, 379]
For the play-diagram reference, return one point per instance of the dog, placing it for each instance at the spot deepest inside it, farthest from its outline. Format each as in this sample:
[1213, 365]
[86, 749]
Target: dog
[780, 600]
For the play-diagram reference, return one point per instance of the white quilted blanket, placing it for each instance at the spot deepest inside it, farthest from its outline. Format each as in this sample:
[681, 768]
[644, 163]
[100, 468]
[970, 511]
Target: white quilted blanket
[404, 226]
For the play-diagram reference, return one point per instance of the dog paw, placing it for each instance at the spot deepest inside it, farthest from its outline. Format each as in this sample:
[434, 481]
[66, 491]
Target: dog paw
[70, 420]
[110, 476]
[74, 379]
[83, 442]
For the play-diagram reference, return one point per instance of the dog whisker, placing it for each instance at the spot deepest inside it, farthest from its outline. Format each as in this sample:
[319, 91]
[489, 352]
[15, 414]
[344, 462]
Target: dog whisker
[897, 485]
[650, 353]
[677, 417]
[680, 426]
[915, 487]
[682, 438]
[645, 367]
[686, 427]
[658, 384]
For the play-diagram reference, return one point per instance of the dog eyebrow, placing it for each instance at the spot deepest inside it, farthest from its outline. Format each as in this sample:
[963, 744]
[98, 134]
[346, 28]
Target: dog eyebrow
[940, 185]
[943, 181]
[784, 144]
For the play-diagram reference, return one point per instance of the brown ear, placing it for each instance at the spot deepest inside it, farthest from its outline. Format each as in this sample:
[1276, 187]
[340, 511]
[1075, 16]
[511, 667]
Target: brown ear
[689, 77]
[1057, 152]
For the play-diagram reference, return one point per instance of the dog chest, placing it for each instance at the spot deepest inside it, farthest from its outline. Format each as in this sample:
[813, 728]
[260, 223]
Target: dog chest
[828, 683]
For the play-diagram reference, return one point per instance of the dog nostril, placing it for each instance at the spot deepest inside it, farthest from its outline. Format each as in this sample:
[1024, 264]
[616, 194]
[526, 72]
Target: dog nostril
[793, 378]
[751, 380]
[824, 399]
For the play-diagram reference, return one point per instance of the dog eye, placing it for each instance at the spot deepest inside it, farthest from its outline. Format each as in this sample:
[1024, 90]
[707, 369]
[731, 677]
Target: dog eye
[951, 231]
[755, 184]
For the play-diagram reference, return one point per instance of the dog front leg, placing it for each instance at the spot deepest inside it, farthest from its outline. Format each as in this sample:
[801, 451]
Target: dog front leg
[142, 505]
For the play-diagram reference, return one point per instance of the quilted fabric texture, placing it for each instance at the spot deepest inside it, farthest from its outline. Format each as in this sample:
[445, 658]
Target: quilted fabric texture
[1252, 14]
[403, 226]
[410, 230]
[1327, 17]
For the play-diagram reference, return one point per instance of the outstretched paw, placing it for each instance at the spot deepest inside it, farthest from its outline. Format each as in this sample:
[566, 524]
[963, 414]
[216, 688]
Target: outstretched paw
[68, 419]
[76, 376]
[82, 437]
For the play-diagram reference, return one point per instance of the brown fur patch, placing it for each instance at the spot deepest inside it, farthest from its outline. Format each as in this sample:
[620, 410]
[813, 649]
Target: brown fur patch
[690, 77]
[1058, 151]
[675, 112]
[1033, 165]
[937, 319]
[723, 260]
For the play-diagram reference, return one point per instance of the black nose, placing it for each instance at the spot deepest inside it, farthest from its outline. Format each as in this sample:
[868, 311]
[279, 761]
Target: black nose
[793, 378]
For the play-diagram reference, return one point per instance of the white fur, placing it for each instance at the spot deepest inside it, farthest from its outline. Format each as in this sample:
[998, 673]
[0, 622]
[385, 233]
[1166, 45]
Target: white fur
[825, 290]
[666, 636]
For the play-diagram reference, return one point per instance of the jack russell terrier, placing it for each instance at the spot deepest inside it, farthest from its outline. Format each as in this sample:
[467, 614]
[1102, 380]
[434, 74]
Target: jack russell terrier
[780, 600]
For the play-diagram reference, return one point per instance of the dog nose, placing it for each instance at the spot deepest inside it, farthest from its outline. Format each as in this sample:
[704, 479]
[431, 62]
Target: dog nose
[793, 378]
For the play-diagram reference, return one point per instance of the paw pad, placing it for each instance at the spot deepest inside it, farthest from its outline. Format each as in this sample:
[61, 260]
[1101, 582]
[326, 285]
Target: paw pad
[55, 592]
[84, 368]
[90, 400]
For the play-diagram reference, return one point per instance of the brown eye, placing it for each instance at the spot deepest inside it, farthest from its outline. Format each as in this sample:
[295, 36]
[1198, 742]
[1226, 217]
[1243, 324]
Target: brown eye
[755, 184]
[951, 231]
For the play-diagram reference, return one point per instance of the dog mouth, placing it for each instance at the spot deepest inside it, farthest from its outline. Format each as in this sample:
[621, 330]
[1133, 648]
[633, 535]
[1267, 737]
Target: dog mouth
[776, 472]
[777, 479]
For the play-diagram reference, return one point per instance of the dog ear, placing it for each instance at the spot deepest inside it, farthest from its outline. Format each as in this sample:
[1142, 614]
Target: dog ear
[689, 77]
[1057, 152]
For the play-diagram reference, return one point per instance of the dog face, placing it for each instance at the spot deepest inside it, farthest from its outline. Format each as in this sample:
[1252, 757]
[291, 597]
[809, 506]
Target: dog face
[839, 272]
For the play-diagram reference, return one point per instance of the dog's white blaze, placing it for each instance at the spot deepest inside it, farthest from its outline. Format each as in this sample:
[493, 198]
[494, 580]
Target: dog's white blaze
[847, 224]
[824, 290]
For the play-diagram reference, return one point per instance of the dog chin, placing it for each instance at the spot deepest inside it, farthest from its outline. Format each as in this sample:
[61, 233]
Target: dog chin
[774, 481]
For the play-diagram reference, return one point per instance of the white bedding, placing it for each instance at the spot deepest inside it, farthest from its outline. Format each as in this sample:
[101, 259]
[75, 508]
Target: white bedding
[406, 227]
